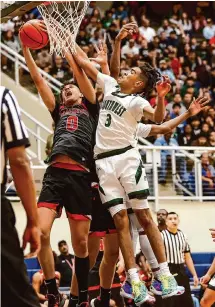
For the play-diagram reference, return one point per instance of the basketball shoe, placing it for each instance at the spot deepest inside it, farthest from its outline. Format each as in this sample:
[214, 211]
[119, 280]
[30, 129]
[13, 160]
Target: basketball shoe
[169, 286]
[140, 293]
[156, 288]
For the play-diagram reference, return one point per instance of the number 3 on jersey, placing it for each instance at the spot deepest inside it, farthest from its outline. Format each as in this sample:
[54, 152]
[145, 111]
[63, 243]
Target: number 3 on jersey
[108, 121]
[72, 123]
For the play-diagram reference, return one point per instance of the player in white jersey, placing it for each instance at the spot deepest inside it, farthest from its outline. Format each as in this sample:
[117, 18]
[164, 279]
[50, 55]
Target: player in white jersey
[119, 164]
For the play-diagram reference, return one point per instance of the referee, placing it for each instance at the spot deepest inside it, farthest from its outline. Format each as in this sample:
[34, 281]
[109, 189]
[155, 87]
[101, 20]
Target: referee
[16, 290]
[178, 254]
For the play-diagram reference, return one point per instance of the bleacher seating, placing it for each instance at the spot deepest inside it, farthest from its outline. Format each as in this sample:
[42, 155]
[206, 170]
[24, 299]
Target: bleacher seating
[33, 266]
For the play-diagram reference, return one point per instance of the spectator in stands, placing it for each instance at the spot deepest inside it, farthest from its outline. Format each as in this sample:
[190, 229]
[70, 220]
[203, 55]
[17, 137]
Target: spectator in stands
[161, 219]
[175, 64]
[196, 125]
[58, 70]
[186, 24]
[9, 40]
[65, 264]
[146, 31]
[130, 51]
[205, 129]
[163, 69]
[164, 28]
[212, 139]
[173, 39]
[166, 140]
[176, 99]
[208, 176]
[38, 282]
[187, 100]
[145, 272]
[176, 111]
[186, 138]
[209, 29]
[201, 140]
[43, 58]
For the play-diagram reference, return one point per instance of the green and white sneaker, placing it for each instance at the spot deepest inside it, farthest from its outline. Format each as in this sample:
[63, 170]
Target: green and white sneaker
[140, 293]
[169, 286]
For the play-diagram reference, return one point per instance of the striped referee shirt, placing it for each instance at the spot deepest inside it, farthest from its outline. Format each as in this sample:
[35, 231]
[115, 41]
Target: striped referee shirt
[13, 131]
[175, 246]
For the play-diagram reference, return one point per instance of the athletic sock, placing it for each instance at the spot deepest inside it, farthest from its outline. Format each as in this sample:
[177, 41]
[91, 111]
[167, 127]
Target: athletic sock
[164, 270]
[105, 297]
[82, 267]
[51, 286]
[73, 300]
[133, 275]
[148, 253]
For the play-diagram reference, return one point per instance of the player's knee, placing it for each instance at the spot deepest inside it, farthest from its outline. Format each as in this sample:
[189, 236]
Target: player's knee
[45, 236]
[121, 220]
[80, 247]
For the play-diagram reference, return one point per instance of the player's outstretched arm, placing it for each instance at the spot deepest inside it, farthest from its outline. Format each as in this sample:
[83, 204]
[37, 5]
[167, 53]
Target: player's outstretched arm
[102, 57]
[195, 107]
[40, 83]
[83, 61]
[127, 29]
[84, 83]
[157, 115]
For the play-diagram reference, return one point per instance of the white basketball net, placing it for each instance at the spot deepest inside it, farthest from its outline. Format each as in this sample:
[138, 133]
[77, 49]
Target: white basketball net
[63, 19]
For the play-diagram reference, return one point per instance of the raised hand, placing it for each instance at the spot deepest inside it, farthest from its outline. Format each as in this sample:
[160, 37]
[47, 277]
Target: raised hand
[102, 58]
[163, 86]
[128, 29]
[198, 105]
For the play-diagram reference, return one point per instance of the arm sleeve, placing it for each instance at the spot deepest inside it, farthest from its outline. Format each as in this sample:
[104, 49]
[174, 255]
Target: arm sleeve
[106, 82]
[15, 131]
[143, 130]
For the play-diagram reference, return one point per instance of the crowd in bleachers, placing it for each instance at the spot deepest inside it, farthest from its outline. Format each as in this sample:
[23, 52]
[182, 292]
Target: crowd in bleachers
[179, 45]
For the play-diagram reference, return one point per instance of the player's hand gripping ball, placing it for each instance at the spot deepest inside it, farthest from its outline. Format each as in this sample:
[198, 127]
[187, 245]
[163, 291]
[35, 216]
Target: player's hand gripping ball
[33, 34]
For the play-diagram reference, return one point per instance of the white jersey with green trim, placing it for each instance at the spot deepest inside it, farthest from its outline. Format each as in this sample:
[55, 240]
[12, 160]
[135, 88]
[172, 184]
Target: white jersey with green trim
[118, 118]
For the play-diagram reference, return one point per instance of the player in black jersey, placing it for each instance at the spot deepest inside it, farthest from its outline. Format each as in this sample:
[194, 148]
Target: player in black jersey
[66, 182]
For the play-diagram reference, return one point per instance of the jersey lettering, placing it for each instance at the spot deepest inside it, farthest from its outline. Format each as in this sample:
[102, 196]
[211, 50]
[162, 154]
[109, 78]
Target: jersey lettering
[72, 123]
[113, 106]
[108, 121]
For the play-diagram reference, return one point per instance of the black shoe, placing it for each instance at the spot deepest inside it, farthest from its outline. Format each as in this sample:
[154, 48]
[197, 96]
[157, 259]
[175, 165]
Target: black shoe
[56, 300]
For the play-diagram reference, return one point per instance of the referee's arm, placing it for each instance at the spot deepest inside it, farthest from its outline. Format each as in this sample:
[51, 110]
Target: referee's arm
[190, 265]
[16, 139]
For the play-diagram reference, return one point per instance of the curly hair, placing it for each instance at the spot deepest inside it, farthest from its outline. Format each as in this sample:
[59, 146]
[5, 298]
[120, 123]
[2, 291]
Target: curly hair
[151, 76]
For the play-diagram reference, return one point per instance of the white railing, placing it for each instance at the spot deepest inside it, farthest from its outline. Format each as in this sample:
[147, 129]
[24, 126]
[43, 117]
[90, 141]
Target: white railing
[39, 133]
[191, 190]
[19, 62]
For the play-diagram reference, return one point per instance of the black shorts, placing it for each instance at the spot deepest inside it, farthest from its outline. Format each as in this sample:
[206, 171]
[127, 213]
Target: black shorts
[16, 289]
[67, 188]
[102, 222]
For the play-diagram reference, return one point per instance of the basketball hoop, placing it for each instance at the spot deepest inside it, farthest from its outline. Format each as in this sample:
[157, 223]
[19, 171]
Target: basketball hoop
[63, 19]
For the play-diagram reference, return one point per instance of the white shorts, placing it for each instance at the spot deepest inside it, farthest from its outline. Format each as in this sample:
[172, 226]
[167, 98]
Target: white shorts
[123, 177]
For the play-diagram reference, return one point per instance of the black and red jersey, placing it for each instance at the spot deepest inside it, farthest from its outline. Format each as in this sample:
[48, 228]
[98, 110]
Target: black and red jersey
[74, 134]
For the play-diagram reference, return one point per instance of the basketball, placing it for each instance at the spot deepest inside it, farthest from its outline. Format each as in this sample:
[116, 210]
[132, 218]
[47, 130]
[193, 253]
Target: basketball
[32, 35]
